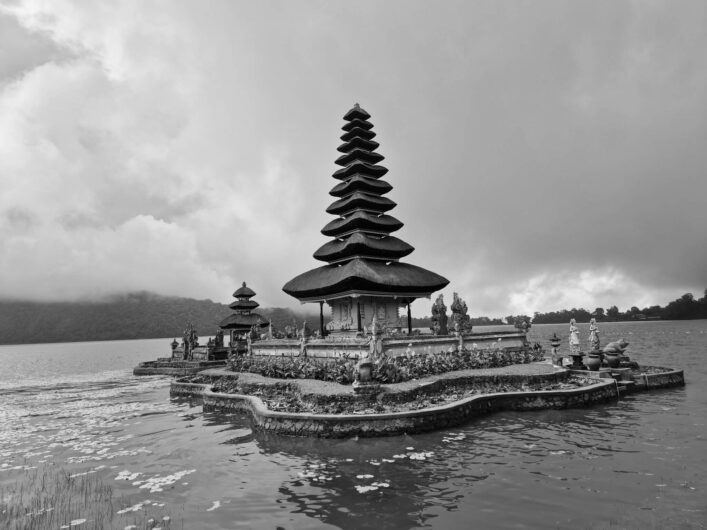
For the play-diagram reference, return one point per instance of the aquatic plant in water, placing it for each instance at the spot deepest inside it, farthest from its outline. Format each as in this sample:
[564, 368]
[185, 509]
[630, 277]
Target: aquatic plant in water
[52, 498]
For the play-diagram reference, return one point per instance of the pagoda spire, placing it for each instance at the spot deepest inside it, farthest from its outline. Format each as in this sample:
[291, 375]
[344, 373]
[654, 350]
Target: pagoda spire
[243, 317]
[363, 257]
[362, 228]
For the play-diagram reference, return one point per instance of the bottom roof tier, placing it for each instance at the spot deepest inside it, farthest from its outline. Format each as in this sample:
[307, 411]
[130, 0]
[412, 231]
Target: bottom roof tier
[238, 321]
[362, 276]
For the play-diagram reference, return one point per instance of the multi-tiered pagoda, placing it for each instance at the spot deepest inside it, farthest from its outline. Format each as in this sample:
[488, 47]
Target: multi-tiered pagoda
[243, 318]
[363, 276]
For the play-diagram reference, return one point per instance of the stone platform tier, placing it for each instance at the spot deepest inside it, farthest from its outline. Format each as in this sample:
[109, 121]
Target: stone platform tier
[200, 358]
[178, 368]
[418, 420]
[356, 347]
[398, 423]
[635, 379]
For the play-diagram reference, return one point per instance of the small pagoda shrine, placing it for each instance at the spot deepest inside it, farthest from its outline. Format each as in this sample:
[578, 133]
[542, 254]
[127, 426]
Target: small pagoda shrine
[243, 319]
[364, 281]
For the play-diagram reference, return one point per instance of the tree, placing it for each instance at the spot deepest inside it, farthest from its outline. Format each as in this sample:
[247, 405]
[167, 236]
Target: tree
[613, 313]
[599, 313]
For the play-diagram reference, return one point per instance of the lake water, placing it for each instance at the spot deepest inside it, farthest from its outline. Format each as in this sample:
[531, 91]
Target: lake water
[636, 463]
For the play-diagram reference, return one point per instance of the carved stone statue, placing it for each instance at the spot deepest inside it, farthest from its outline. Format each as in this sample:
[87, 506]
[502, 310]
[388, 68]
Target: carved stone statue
[593, 335]
[574, 337]
[616, 347]
[439, 316]
[522, 323]
[191, 340]
[219, 338]
[305, 331]
[462, 321]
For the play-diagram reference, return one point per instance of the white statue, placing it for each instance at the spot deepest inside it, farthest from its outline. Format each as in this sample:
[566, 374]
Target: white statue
[574, 337]
[593, 335]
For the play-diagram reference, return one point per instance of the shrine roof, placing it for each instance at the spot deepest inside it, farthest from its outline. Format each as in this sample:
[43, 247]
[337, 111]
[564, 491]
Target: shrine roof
[362, 220]
[360, 183]
[356, 112]
[361, 200]
[244, 292]
[362, 168]
[358, 142]
[242, 322]
[361, 244]
[359, 155]
[243, 305]
[360, 276]
[357, 132]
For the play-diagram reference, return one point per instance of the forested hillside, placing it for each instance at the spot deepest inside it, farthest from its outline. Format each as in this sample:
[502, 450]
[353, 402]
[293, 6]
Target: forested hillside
[131, 316]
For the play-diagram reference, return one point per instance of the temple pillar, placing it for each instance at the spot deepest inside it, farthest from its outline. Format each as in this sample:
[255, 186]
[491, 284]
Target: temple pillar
[409, 320]
[321, 318]
[358, 315]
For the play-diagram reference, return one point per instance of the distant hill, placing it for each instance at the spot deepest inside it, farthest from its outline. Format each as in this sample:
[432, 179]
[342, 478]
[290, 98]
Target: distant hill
[139, 315]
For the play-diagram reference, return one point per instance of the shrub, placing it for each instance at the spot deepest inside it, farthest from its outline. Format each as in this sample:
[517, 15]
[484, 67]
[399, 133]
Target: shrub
[337, 370]
[387, 369]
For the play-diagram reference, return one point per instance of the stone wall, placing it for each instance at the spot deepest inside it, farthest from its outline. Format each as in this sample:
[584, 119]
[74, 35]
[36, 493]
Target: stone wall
[178, 368]
[661, 380]
[437, 344]
[448, 415]
[644, 381]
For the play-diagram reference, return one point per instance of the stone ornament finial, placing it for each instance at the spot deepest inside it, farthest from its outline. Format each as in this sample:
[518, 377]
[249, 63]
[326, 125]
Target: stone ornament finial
[439, 316]
[462, 321]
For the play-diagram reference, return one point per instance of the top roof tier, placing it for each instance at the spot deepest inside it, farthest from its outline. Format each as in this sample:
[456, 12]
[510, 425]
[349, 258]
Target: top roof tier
[244, 292]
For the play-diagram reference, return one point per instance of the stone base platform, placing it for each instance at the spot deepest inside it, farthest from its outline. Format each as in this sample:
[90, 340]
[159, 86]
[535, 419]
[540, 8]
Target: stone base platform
[177, 368]
[638, 379]
[408, 422]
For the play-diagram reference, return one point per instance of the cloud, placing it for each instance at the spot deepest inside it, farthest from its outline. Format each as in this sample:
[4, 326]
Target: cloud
[542, 156]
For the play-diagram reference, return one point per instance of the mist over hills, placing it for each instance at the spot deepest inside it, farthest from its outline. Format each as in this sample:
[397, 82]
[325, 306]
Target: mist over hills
[140, 315]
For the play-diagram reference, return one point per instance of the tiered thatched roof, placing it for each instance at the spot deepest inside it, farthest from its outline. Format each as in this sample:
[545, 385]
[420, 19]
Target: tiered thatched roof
[363, 256]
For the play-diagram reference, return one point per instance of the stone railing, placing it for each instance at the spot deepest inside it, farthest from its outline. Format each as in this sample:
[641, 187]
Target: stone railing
[333, 347]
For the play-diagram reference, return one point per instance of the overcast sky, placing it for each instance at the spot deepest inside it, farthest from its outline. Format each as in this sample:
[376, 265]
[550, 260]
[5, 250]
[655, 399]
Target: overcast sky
[544, 155]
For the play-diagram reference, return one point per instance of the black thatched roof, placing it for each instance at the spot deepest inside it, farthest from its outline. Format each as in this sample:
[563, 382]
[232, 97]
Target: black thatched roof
[356, 112]
[363, 259]
[241, 322]
[362, 201]
[243, 305]
[360, 183]
[360, 244]
[365, 221]
[242, 319]
[357, 132]
[360, 168]
[364, 277]
[357, 124]
[359, 155]
[358, 142]
[244, 292]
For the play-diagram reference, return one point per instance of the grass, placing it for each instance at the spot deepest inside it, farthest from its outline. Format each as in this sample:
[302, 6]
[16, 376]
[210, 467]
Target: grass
[52, 498]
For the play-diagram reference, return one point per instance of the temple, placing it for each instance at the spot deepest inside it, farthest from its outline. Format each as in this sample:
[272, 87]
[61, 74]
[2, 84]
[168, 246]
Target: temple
[243, 319]
[364, 277]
